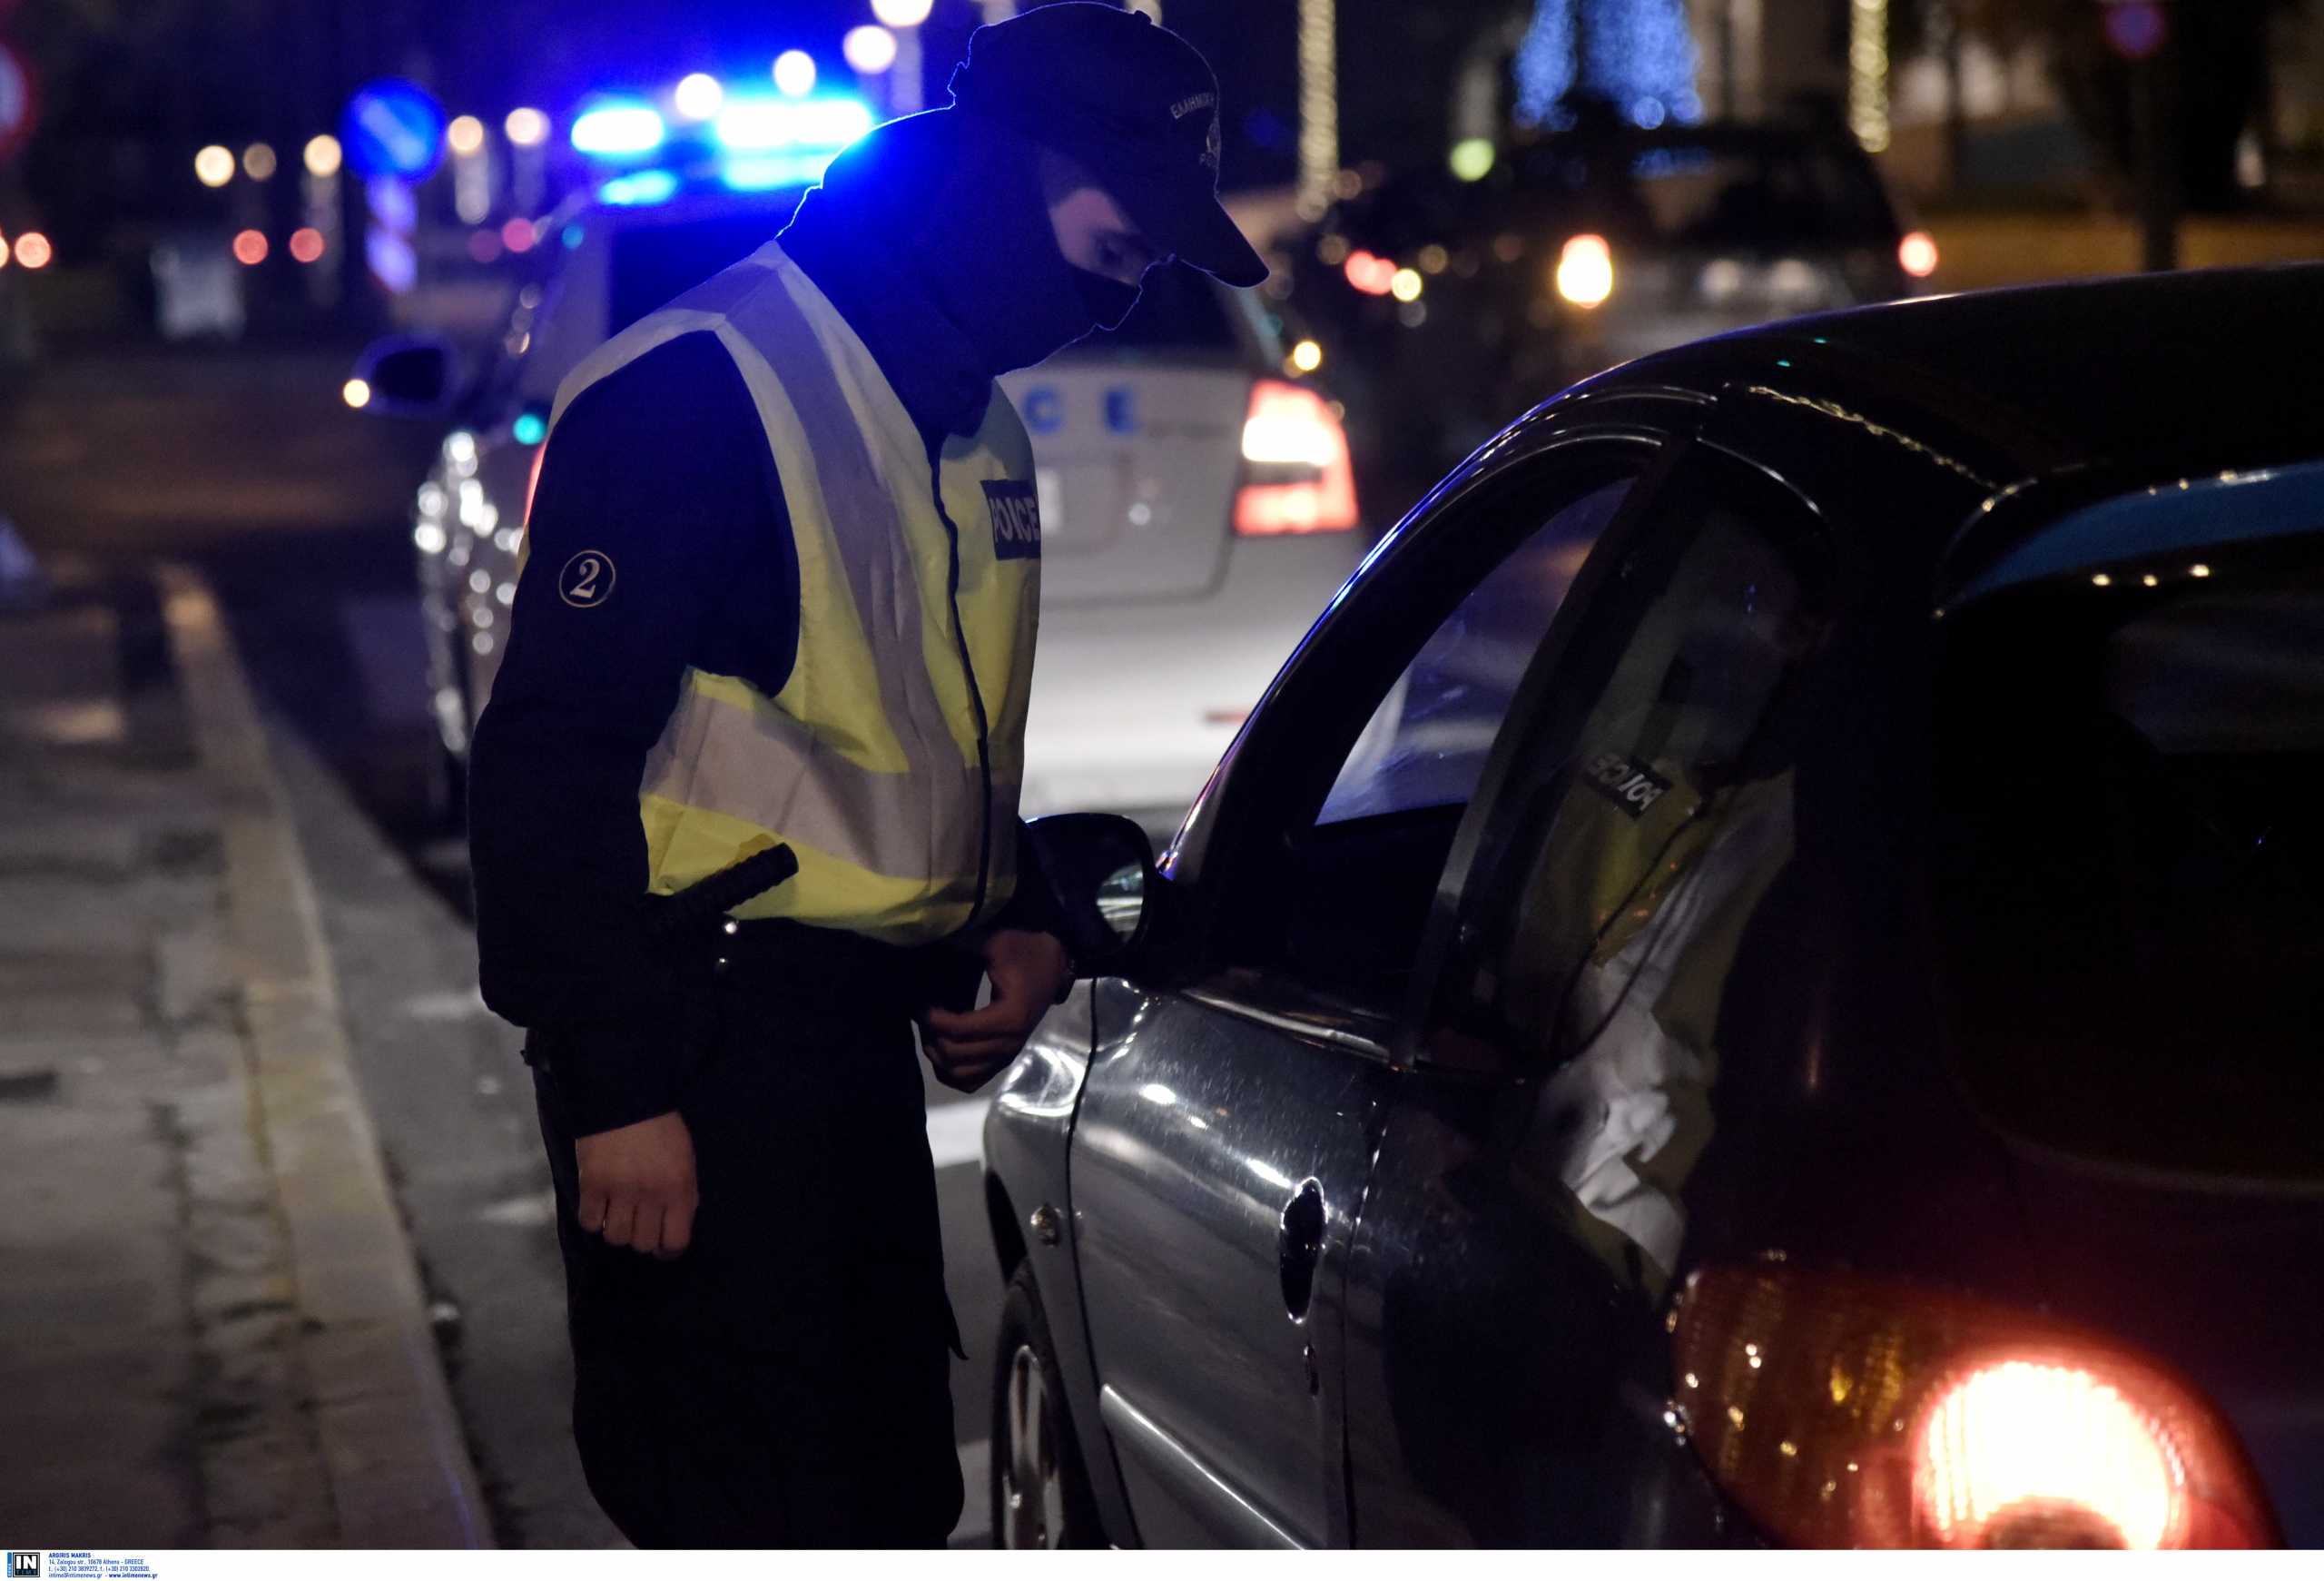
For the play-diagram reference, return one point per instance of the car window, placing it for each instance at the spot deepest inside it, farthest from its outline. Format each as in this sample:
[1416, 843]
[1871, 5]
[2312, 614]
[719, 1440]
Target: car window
[1427, 741]
[1649, 805]
[2131, 882]
[1337, 904]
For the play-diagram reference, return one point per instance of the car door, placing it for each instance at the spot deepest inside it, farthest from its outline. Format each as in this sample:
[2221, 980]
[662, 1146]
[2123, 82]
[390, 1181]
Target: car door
[1507, 1377]
[1228, 1122]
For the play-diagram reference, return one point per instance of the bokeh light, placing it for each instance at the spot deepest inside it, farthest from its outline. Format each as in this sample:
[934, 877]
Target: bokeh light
[869, 49]
[324, 156]
[305, 244]
[794, 73]
[526, 127]
[699, 95]
[517, 236]
[356, 393]
[249, 247]
[902, 12]
[214, 166]
[1471, 158]
[464, 135]
[258, 162]
[32, 251]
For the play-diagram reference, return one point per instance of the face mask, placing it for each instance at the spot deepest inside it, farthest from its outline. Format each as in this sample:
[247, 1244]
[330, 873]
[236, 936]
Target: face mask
[1106, 300]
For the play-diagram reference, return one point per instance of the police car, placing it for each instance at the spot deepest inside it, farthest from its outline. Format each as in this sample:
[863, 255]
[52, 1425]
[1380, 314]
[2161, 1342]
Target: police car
[1195, 498]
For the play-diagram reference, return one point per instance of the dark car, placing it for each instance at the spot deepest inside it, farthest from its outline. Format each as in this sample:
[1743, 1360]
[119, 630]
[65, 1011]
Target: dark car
[1448, 304]
[1759, 977]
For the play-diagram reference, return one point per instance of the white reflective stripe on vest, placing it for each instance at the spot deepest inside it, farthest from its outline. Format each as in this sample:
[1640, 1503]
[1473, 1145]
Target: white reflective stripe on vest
[866, 762]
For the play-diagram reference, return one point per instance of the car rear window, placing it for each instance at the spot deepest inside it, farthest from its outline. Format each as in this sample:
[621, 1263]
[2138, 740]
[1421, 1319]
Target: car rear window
[653, 263]
[2132, 869]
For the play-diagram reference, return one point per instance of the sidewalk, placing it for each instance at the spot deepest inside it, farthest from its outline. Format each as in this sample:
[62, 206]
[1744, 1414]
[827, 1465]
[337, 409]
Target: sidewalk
[211, 1332]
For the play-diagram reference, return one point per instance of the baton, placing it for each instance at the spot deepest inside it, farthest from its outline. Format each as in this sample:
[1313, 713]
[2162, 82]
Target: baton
[722, 891]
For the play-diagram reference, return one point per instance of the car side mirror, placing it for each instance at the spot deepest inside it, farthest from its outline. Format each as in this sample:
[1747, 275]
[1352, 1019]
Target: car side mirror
[406, 376]
[1099, 870]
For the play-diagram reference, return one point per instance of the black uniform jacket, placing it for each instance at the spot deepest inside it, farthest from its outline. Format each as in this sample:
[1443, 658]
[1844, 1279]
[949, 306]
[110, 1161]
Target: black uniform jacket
[662, 469]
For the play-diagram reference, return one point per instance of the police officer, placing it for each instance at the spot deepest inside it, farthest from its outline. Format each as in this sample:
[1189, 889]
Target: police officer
[782, 581]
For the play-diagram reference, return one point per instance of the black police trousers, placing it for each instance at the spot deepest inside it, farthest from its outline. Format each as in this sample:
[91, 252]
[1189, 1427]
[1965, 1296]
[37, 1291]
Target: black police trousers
[785, 1381]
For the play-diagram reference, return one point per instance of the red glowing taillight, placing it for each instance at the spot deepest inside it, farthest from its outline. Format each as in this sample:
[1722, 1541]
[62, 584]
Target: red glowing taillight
[1917, 255]
[1848, 1412]
[1296, 477]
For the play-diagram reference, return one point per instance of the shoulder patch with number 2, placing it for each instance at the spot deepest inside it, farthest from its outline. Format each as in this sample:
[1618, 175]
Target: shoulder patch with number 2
[587, 580]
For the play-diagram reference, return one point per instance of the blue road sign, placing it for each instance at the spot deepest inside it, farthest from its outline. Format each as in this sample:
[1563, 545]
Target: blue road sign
[393, 128]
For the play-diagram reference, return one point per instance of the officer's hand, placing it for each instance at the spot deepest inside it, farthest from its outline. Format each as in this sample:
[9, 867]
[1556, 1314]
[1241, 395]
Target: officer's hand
[1028, 971]
[637, 1185]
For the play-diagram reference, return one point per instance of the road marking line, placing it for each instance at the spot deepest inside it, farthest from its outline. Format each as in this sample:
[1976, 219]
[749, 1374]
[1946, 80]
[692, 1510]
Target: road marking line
[956, 1133]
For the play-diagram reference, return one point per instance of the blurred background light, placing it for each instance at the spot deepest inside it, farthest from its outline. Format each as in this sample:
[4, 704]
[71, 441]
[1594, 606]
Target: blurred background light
[517, 236]
[869, 49]
[1471, 158]
[249, 247]
[464, 135]
[324, 156]
[794, 73]
[699, 96]
[526, 127]
[305, 244]
[619, 129]
[1641, 58]
[214, 166]
[259, 162]
[32, 251]
[640, 190]
[356, 393]
[902, 12]
[750, 125]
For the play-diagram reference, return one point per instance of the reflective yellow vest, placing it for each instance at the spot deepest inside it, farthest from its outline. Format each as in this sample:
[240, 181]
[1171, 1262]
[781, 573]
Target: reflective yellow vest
[872, 762]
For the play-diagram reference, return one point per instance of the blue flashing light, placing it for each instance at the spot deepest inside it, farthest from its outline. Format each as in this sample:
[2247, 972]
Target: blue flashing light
[767, 173]
[530, 427]
[640, 189]
[755, 125]
[619, 129]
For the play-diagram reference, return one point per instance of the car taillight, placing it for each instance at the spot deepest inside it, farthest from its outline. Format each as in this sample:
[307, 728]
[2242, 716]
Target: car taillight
[1917, 254]
[1840, 1411]
[1295, 472]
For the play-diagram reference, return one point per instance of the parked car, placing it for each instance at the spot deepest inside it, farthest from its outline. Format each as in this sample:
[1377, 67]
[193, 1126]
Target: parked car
[1442, 304]
[1756, 978]
[1195, 494]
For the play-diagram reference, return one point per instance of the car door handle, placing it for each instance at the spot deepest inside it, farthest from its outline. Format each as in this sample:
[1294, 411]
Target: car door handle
[1300, 1246]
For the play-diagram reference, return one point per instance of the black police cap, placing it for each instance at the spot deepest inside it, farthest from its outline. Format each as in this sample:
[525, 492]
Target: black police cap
[1134, 102]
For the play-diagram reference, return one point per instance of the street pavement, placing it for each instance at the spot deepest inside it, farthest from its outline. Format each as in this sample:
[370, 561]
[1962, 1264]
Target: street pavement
[121, 1082]
[213, 1331]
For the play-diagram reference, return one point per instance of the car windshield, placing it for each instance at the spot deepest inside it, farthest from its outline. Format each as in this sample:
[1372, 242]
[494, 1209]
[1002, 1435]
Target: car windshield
[1708, 190]
[2132, 870]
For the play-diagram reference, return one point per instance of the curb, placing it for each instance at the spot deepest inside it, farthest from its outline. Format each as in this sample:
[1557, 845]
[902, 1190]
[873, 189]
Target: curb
[398, 1463]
